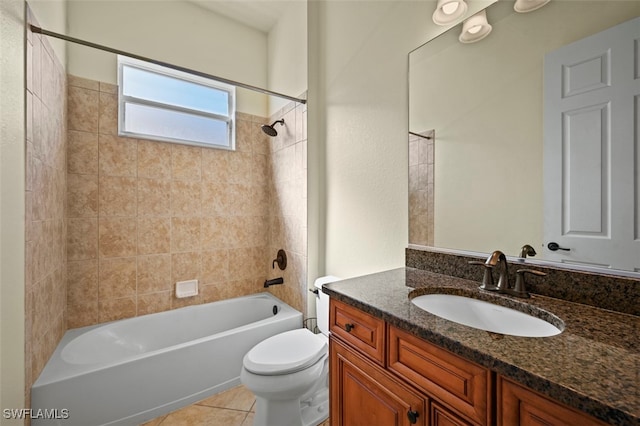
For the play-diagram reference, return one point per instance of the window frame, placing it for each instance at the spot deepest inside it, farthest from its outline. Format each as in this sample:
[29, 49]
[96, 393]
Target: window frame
[123, 99]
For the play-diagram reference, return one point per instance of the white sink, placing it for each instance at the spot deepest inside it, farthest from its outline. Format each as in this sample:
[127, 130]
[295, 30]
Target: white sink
[485, 316]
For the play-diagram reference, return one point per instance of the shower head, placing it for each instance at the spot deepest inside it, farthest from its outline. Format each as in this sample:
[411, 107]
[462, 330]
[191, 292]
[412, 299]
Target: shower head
[270, 130]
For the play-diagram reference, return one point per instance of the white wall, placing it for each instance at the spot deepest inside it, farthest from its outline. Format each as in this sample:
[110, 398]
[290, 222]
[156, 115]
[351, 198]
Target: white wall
[287, 54]
[358, 140]
[12, 206]
[175, 32]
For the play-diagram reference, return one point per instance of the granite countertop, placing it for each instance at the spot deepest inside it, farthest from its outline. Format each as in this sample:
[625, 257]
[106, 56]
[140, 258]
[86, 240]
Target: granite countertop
[593, 365]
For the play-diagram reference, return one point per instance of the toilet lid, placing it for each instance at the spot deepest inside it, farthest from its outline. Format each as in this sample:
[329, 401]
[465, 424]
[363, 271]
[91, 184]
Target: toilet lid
[286, 352]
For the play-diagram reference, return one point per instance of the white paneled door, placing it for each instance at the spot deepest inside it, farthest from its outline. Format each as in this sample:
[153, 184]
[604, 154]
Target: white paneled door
[592, 150]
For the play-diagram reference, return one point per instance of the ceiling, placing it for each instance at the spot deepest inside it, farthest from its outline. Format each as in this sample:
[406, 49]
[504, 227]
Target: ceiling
[259, 14]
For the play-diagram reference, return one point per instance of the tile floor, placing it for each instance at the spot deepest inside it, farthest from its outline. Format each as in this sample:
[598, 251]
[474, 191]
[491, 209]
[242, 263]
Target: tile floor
[233, 407]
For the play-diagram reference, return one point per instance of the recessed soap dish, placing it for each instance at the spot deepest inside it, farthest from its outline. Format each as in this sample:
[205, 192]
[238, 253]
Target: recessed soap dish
[186, 288]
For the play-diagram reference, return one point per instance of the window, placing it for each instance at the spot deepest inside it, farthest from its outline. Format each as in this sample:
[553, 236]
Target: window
[163, 104]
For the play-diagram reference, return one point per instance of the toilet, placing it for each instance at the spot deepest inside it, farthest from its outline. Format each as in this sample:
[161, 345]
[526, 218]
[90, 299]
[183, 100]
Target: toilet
[289, 372]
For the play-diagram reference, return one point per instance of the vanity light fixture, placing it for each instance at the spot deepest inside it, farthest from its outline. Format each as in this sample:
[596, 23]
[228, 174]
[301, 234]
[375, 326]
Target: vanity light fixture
[475, 28]
[524, 6]
[449, 11]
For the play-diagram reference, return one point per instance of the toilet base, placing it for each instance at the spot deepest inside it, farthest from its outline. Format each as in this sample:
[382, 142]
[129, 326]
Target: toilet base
[310, 412]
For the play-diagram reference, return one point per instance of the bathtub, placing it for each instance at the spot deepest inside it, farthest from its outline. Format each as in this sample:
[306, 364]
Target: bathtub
[129, 371]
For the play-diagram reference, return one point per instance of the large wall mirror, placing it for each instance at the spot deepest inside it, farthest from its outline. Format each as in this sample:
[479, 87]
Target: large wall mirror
[495, 129]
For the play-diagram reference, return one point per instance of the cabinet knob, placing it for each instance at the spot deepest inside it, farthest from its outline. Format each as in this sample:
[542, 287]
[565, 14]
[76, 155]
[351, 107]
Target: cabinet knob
[413, 416]
[348, 327]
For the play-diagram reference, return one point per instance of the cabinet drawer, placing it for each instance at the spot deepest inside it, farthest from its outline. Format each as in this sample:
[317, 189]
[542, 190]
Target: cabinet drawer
[444, 376]
[359, 329]
[521, 406]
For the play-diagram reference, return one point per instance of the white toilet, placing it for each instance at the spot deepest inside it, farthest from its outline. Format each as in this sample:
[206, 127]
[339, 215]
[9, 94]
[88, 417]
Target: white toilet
[289, 372]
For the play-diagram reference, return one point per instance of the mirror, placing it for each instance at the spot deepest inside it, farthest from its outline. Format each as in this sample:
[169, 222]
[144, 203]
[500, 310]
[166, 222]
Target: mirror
[476, 142]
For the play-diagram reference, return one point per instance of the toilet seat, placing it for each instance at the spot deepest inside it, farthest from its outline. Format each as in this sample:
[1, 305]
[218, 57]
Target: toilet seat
[285, 353]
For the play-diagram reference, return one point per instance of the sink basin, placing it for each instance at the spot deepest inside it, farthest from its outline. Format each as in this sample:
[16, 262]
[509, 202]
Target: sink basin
[485, 316]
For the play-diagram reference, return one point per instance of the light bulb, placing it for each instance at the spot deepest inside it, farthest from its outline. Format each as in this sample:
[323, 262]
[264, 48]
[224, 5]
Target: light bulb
[475, 29]
[450, 8]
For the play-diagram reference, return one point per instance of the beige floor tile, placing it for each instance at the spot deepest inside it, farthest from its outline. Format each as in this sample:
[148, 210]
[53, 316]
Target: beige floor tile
[248, 421]
[202, 415]
[237, 398]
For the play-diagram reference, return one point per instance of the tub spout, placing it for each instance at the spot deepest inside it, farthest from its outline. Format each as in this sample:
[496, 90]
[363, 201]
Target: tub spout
[274, 281]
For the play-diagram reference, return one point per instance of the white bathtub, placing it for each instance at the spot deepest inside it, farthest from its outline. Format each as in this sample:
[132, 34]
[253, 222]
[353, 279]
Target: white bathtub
[129, 371]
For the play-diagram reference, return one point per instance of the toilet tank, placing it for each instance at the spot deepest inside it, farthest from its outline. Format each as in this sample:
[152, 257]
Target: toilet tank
[322, 303]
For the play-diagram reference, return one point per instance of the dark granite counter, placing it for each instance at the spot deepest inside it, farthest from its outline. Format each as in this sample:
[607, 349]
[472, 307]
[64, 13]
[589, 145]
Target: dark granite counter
[593, 365]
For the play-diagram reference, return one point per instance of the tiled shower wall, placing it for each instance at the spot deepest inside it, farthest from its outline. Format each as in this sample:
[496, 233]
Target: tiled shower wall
[421, 188]
[288, 204]
[144, 214]
[45, 287]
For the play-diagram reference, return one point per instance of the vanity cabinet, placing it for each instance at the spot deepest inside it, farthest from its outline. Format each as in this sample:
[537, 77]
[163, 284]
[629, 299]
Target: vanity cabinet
[382, 376]
[522, 406]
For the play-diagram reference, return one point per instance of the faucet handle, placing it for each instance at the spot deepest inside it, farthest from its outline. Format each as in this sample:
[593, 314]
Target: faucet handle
[487, 278]
[520, 289]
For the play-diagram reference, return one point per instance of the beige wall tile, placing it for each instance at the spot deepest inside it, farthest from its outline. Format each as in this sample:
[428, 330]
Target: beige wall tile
[82, 239]
[216, 232]
[108, 88]
[185, 266]
[185, 198]
[154, 197]
[115, 309]
[239, 167]
[154, 235]
[117, 237]
[83, 314]
[217, 199]
[45, 230]
[82, 196]
[117, 278]
[118, 196]
[154, 302]
[83, 106]
[246, 263]
[185, 234]
[215, 266]
[82, 152]
[117, 156]
[216, 164]
[154, 273]
[108, 119]
[154, 160]
[186, 162]
[244, 132]
[82, 282]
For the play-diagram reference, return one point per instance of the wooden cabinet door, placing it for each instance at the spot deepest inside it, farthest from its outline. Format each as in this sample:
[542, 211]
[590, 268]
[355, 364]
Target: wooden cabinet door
[362, 394]
[440, 416]
[518, 405]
